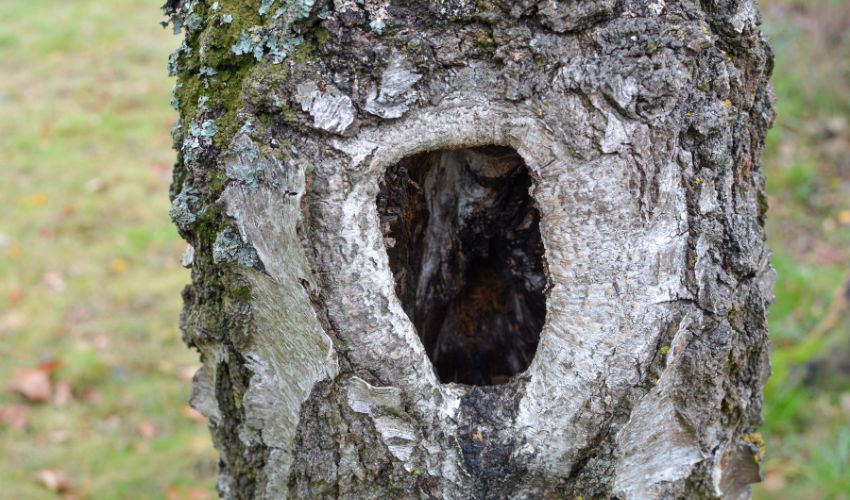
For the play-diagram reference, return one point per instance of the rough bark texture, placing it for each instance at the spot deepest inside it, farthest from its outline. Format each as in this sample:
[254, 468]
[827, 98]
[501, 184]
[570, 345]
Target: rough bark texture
[634, 126]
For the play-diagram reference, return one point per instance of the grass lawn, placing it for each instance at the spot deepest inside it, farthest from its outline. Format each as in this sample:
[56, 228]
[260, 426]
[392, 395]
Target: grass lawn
[807, 161]
[90, 281]
[89, 275]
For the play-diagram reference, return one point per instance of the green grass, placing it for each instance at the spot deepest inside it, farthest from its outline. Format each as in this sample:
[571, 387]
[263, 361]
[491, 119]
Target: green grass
[807, 419]
[89, 273]
[88, 262]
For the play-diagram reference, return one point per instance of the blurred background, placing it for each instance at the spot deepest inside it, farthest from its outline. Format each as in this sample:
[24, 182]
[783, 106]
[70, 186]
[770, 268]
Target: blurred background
[93, 375]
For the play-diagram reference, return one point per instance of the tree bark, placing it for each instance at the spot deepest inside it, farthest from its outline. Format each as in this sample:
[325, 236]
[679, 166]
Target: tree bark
[489, 249]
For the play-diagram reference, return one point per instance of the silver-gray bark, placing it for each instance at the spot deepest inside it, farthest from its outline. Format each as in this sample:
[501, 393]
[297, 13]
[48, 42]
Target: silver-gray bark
[641, 125]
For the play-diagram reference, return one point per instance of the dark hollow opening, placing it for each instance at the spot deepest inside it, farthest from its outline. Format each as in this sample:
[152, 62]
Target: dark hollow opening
[463, 238]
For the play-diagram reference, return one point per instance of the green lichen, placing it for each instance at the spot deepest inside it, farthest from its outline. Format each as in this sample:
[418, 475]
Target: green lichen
[213, 87]
[246, 165]
[229, 247]
[207, 128]
[184, 207]
[244, 45]
[218, 95]
[265, 6]
[377, 26]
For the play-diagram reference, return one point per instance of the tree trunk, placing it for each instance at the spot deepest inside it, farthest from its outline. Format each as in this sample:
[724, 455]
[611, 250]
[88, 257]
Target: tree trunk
[489, 249]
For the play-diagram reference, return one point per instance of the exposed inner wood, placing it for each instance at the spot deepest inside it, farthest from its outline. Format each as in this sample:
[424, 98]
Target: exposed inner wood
[462, 235]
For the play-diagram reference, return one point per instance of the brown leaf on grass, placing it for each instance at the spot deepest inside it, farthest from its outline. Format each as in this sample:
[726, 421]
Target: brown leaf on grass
[69, 210]
[161, 171]
[193, 414]
[77, 314]
[187, 373]
[54, 480]
[47, 233]
[16, 416]
[63, 395]
[49, 366]
[146, 429]
[102, 342]
[11, 321]
[118, 265]
[59, 436]
[165, 366]
[32, 384]
[15, 250]
[774, 481]
[94, 185]
[92, 396]
[53, 280]
[178, 493]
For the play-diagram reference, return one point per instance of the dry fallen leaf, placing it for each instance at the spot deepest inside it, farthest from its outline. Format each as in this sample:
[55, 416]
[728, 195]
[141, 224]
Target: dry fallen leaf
[49, 366]
[774, 481]
[178, 493]
[92, 396]
[77, 314]
[844, 217]
[161, 171]
[15, 250]
[187, 373]
[165, 366]
[53, 280]
[62, 395]
[15, 416]
[69, 210]
[54, 480]
[59, 436]
[102, 342]
[190, 412]
[146, 429]
[11, 321]
[94, 185]
[118, 265]
[32, 384]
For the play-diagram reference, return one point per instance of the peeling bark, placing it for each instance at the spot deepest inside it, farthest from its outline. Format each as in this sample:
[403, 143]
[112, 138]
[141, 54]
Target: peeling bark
[460, 249]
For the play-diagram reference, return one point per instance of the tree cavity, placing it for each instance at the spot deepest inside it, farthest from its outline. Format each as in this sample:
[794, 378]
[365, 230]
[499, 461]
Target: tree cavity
[463, 239]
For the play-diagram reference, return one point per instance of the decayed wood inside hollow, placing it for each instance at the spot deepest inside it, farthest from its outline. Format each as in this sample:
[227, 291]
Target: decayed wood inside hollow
[462, 235]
